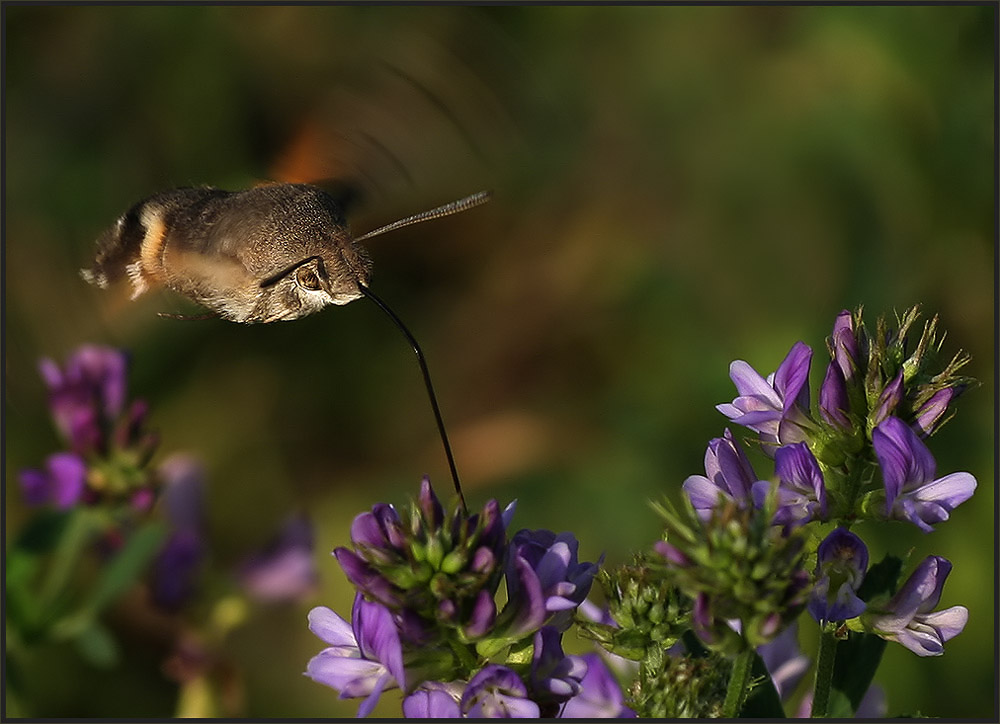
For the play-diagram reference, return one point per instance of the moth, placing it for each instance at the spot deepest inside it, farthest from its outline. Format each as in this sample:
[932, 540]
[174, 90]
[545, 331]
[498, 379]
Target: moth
[268, 253]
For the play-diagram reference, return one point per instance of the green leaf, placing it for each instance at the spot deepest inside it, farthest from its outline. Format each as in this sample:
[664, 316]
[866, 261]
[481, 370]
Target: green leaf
[881, 579]
[74, 538]
[22, 605]
[42, 531]
[854, 668]
[122, 571]
[98, 647]
[127, 566]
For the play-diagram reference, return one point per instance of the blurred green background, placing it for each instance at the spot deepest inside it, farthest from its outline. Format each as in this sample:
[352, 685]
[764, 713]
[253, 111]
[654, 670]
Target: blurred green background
[675, 187]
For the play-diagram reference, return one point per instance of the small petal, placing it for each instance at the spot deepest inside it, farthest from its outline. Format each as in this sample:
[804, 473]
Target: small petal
[377, 637]
[845, 345]
[330, 627]
[890, 398]
[497, 692]
[600, 697]
[792, 375]
[366, 530]
[352, 677]
[948, 622]
[554, 676]
[704, 495]
[930, 413]
[749, 383]
[833, 400]
[364, 577]
[183, 491]
[429, 504]
[284, 569]
[484, 614]
[530, 611]
[67, 479]
[433, 704]
[672, 554]
[950, 491]
[369, 703]
[35, 486]
[800, 477]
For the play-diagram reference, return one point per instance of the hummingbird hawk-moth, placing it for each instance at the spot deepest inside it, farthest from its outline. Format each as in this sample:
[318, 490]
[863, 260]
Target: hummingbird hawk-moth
[269, 253]
[274, 252]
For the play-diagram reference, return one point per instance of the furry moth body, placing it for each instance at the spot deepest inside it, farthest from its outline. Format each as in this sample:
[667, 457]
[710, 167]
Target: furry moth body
[265, 254]
[269, 253]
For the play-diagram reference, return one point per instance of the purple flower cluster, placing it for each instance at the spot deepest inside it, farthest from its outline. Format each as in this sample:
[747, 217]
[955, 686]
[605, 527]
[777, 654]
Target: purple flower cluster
[107, 442]
[426, 619]
[283, 570]
[877, 403]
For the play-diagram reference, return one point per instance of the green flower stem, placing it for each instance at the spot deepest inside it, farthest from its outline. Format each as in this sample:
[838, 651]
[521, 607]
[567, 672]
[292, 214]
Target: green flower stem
[71, 546]
[739, 684]
[824, 672]
[857, 467]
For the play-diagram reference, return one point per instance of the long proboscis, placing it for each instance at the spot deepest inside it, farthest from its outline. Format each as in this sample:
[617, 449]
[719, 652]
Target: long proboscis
[469, 202]
[421, 360]
[454, 207]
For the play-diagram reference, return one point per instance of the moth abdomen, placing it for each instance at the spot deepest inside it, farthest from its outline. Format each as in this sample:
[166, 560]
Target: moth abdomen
[117, 248]
[135, 245]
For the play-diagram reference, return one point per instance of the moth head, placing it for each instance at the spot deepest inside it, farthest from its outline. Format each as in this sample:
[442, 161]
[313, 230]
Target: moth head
[307, 286]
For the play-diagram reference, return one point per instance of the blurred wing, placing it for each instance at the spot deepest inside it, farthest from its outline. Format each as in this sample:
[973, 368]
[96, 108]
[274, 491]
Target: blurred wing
[422, 118]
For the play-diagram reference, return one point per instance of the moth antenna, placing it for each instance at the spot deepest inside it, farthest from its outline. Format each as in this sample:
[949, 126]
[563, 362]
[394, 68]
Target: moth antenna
[427, 377]
[454, 207]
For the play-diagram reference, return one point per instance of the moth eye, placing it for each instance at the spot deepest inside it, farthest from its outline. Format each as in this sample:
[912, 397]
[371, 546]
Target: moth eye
[307, 279]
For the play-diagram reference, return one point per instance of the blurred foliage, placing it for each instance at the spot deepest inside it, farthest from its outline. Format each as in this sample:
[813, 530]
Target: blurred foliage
[675, 187]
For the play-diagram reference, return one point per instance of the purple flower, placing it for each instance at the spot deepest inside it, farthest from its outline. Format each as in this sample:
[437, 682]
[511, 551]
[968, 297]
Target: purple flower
[728, 475]
[843, 346]
[555, 677]
[599, 697]
[434, 565]
[912, 492]
[284, 570]
[833, 399]
[674, 555]
[484, 615]
[434, 700]
[908, 618]
[496, 692]
[775, 407]
[364, 657]
[801, 490]
[842, 560]
[183, 492]
[175, 570]
[892, 395]
[86, 395]
[928, 418]
[176, 567]
[784, 660]
[61, 483]
[563, 581]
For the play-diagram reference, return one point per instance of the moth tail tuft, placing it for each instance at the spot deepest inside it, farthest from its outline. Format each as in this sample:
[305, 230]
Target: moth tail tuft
[95, 276]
